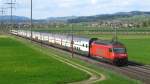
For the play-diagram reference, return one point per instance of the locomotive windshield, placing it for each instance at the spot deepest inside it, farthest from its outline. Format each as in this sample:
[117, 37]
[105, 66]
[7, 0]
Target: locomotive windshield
[119, 50]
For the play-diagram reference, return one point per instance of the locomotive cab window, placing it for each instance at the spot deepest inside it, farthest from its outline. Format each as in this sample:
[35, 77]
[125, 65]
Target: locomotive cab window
[119, 50]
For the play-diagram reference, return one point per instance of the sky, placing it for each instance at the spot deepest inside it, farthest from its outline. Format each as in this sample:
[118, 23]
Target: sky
[61, 8]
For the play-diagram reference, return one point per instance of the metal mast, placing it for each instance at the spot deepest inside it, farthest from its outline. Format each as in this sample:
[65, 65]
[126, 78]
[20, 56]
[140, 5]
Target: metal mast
[11, 12]
[2, 14]
[116, 35]
[72, 41]
[3, 11]
[31, 22]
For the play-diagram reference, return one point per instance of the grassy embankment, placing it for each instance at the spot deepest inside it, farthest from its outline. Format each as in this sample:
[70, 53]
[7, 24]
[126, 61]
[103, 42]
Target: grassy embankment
[20, 64]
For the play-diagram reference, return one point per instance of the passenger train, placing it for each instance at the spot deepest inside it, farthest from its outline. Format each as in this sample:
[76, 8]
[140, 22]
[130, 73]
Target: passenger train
[112, 51]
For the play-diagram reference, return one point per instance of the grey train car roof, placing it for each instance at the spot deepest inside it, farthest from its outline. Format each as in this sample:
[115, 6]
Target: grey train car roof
[75, 38]
[63, 36]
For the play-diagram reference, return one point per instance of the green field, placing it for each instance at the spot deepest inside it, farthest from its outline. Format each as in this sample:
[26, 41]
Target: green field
[138, 50]
[20, 64]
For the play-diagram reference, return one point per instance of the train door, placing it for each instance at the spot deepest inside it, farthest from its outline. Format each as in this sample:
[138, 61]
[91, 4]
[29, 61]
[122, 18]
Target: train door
[111, 54]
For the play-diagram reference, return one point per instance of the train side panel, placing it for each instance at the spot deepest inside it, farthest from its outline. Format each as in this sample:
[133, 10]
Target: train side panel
[101, 51]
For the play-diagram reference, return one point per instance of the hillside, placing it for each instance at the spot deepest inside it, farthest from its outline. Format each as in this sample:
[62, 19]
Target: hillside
[18, 18]
[127, 16]
[119, 15]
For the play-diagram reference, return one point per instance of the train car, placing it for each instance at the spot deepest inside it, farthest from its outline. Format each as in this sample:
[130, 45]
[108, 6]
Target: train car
[110, 50]
[81, 45]
[14, 32]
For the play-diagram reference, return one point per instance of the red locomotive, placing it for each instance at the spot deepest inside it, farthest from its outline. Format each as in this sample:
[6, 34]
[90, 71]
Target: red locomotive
[110, 50]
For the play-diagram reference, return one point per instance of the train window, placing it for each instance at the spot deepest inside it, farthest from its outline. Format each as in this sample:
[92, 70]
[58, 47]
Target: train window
[110, 49]
[86, 45]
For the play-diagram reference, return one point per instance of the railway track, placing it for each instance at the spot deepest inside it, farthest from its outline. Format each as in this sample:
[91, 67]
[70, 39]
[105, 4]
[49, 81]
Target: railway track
[138, 72]
[132, 70]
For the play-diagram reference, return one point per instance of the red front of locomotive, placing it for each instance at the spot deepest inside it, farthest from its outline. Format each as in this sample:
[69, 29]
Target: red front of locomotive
[114, 52]
[120, 54]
